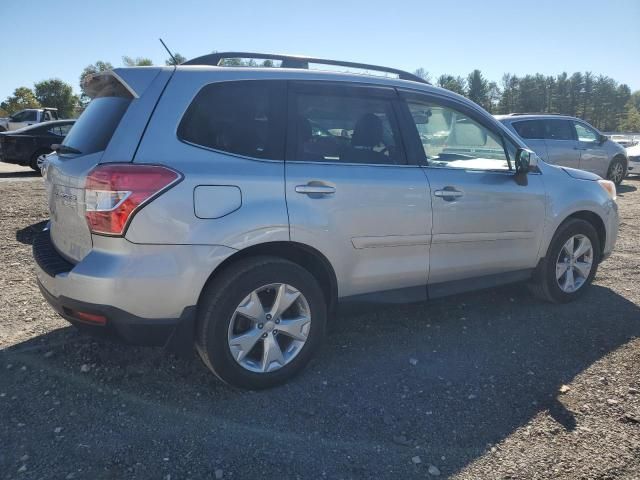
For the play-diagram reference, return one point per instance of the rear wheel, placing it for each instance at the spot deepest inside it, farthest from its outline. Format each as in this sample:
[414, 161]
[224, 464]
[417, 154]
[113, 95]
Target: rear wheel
[570, 264]
[617, 171]
[260, 322]
[38, 159]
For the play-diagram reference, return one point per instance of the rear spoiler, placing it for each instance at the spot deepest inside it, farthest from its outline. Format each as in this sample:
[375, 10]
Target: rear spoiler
[135, 80]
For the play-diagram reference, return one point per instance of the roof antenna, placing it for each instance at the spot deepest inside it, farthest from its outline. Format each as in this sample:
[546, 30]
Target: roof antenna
[175, 62]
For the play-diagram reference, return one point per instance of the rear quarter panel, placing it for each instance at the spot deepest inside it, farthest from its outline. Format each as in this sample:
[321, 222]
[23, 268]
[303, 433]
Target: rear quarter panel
[171, 218]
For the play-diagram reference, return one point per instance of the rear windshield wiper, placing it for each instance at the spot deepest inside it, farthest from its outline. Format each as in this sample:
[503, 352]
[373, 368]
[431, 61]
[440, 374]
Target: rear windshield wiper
[59, 148]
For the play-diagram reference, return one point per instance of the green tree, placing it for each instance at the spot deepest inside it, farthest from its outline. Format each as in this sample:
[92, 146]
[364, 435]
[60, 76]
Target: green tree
[423, 74]
[58, 94]
[631, 118]
[99, 66]
[178, 59]
[22, 98]
[136, 62]
[455, 84]
[478, 89]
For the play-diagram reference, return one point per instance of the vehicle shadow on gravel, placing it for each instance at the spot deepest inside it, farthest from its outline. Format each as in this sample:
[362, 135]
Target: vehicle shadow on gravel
[22, 174]
[26, 235]
[444, 381]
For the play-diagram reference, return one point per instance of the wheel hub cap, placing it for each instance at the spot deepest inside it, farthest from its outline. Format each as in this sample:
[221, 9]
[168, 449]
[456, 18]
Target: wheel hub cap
[269, 328]
[574, 263]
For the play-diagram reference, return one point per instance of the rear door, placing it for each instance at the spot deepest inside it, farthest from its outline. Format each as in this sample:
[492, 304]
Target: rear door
[562, 147]
[350, 192]
[485, 223]
[593, 154]
[533, 134]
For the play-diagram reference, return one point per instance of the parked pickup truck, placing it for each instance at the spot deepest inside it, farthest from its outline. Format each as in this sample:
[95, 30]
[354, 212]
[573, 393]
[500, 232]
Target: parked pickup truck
[27, 117]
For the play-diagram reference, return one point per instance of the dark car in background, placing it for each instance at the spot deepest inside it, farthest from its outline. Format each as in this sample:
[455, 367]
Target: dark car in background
[30, 145]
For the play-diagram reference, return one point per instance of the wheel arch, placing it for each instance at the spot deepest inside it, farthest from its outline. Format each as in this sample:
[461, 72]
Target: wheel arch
[305, 256]
[594, 219]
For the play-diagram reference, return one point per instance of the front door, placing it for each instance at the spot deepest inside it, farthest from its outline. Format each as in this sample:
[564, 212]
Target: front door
[562, 148]
[484, 221]
[593, 154]
[350, 192]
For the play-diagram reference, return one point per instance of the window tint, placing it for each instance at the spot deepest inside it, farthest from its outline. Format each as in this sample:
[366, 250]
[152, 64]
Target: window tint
[533, 129]
[244, 118]
[558, 130]
[344, 125]
[584, 133]
[60, 130]
[451, 139]
[93, 130]
[25, 116]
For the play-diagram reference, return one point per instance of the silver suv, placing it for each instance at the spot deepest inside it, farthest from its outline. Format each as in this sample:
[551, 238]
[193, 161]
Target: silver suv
[570, 142]
[232, 208]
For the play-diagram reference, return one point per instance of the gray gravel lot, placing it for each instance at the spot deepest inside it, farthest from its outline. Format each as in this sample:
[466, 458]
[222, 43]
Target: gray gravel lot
[487, 385]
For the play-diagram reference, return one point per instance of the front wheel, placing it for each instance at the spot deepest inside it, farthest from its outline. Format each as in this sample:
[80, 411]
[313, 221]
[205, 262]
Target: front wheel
[617, 171]
[570, 264]
[260, 322]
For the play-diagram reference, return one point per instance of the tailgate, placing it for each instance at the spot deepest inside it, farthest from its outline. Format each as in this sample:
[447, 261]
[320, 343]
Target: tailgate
[114, 101]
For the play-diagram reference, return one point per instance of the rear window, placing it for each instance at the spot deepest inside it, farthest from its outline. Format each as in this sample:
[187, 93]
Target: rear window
[243, 118]
[93, 130]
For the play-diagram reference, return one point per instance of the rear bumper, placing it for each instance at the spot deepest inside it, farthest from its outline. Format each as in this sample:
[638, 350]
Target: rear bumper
[146, 294]
[634, 165]
[173, 333]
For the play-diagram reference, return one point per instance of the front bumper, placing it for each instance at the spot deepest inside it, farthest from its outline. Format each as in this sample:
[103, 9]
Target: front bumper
[147, 294]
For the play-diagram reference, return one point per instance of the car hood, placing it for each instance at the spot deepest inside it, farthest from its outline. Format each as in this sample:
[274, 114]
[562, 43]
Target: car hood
[580, 174]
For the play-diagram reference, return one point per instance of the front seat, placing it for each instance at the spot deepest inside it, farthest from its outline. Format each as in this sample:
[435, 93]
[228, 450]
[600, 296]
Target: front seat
[367, 134]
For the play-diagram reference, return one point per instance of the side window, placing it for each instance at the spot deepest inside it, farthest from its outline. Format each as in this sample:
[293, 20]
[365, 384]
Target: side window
[584, 133]
[64, 129]
[452, 139]
[345, 126]
[243, 118]
[47, 116]
[530, 129]
[25, 116]
[558, 130]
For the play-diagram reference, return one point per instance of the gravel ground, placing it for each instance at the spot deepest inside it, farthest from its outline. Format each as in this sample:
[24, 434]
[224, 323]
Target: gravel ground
[488, 385]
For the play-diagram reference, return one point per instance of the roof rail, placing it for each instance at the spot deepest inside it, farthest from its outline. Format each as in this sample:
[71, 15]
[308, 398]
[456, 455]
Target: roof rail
[296, 61]
[537, 113]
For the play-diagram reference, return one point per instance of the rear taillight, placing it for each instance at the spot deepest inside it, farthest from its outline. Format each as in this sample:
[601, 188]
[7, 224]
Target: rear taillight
[115, 192]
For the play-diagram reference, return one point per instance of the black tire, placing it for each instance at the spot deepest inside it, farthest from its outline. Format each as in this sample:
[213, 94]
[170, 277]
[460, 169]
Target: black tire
[222, 296]
[33, 163]
[615, 164]
[545, 285]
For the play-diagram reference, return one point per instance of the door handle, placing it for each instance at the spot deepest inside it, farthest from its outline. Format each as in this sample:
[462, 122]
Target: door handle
[448, 193]
[579, 148]
[313, 189]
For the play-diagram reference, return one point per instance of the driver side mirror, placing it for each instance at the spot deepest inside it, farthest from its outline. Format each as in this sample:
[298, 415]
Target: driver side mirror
[524, 160]
[602, 139]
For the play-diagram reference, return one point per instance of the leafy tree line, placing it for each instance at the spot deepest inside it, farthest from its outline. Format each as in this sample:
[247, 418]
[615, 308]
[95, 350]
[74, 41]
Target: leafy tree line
[600, 100]
[58, 94]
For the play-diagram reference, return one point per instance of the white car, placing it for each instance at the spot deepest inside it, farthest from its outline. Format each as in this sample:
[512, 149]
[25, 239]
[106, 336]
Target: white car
[27, 117]
[633, 153]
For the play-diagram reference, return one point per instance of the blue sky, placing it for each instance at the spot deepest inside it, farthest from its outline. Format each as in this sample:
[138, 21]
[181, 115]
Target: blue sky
[44, 38]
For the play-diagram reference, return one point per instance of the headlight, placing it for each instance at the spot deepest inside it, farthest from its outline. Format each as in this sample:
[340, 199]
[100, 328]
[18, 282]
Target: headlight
[609, 187]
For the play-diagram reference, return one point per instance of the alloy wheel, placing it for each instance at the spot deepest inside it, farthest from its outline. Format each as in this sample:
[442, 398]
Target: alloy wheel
[574, 263]
[269, 328]
[617, 171]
